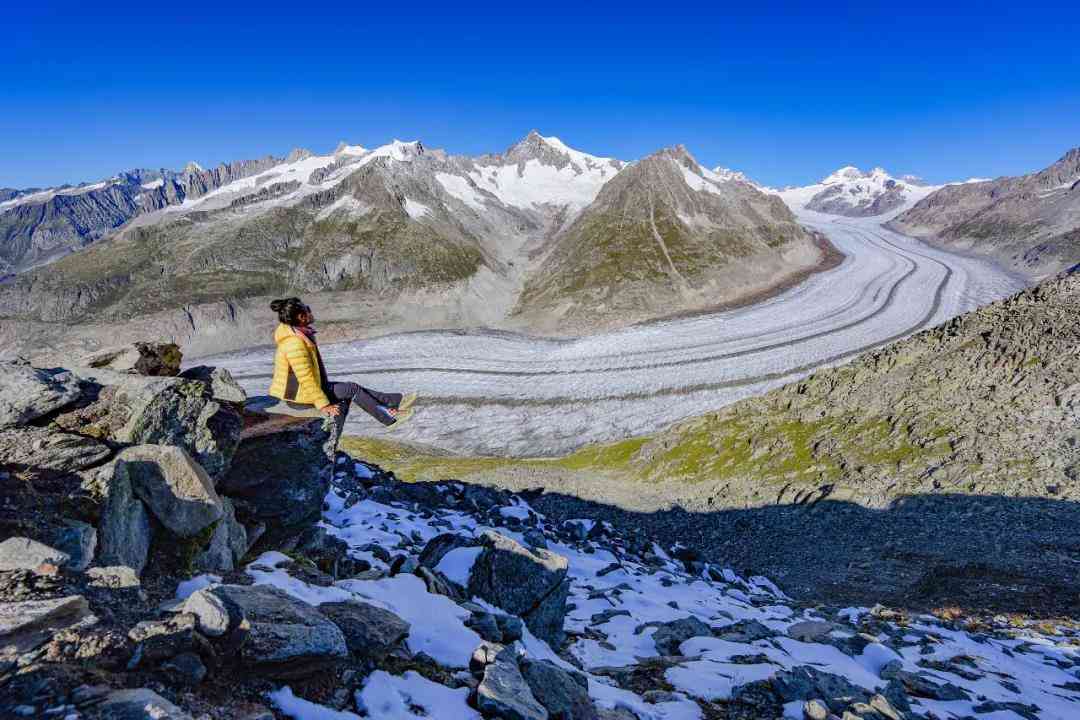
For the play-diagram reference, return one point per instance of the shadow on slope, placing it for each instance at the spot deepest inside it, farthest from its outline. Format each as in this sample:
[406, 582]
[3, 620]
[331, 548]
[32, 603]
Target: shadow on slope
[974, 552]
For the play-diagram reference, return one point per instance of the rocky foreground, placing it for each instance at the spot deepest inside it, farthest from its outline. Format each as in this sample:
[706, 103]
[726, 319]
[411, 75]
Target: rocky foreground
[171, 549]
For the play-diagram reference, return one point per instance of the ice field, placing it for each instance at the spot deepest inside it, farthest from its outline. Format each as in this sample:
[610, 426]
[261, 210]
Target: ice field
[499, 393]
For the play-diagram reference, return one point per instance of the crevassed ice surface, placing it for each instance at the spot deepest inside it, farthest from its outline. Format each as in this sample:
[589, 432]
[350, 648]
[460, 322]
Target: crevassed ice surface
[500, 393]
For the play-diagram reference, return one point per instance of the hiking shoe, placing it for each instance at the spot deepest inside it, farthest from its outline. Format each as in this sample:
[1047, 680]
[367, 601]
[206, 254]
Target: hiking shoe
[407, 402]
[401, 418]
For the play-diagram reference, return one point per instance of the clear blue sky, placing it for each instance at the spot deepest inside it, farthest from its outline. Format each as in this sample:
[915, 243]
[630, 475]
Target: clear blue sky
[784, 92]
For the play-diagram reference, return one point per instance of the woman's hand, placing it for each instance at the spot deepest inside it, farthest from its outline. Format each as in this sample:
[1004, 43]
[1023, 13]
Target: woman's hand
[331, 410]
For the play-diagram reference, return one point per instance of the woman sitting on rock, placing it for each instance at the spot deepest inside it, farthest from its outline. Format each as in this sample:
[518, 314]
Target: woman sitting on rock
[300, 376]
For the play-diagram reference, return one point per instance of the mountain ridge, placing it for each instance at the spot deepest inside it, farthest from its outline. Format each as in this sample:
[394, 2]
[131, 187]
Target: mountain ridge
[1027, 222]
[401, 235]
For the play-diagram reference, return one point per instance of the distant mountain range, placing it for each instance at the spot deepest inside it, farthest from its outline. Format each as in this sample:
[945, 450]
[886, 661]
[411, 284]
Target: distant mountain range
[541, 236]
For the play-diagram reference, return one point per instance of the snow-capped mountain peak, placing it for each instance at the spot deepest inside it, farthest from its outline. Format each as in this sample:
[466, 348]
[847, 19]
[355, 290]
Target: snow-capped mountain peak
[844, 174]
[727, 174]
[193, 167]
[542, 170]
[852, 192]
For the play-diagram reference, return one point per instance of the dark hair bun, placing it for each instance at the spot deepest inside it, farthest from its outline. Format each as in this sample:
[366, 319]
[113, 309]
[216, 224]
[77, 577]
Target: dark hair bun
[288, 309]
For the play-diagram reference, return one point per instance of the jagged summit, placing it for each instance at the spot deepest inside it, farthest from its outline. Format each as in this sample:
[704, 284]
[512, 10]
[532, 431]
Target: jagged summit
[193, 167]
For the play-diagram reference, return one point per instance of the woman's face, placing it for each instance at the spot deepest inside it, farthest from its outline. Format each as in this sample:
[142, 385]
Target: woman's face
[306, 316]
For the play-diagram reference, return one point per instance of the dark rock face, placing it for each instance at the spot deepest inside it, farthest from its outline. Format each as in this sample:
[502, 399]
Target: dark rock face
[281, 471]
[563, 694]
[370, 632]
[669, 636]
[228, 544]
[275, 635]
[503, 692]
[529, 582]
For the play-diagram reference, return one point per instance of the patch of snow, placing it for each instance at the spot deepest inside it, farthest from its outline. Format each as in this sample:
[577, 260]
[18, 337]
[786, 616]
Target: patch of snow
[301, 709]
[415, 209]
[411, 696]
[153, 184]
[437, 622]
[457, 564]
[460, 188]
[187, 587]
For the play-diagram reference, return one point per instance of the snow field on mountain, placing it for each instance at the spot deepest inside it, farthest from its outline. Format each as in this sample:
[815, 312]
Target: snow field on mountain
[616, 601]
[506, 394]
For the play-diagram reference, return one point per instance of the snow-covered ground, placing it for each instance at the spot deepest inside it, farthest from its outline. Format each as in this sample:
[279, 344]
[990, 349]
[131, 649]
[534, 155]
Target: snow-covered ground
[751, 630]
[505, 394]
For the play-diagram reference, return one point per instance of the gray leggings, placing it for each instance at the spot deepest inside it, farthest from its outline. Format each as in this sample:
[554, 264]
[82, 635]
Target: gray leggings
[373, 402]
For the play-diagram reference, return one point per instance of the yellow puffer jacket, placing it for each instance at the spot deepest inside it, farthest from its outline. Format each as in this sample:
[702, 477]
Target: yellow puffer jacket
[296, 369]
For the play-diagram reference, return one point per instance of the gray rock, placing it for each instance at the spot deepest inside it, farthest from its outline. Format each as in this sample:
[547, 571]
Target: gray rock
[923, 686]
[503, 692]
[511, 626]
[141, 704]
[124, 530]
[744, 631]
[137, 410]
[483, 624]
[115, 577]
[141, 358]
[19, 553]
[528, 582]
[185, 669]
[79, 541]
[228, 544]
[28, 624]
[670, 635]
[159, 640]
[174, 487]
[277, 636]
[219, 380]
[371, 633]
[563, 694]
[27, 393]
[210, 611]
[44, 452]
[809, 630]
[806, 682]
[282, 468]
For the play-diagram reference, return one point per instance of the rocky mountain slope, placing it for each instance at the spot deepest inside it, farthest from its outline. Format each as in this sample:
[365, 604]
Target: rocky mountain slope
[40, 225]
[1030, 223]
[853, 193]
[396, 237]
[174, 550]
[664, 235]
